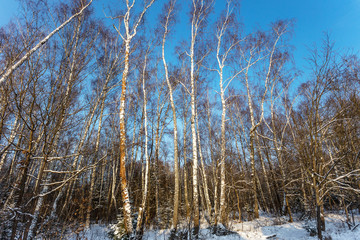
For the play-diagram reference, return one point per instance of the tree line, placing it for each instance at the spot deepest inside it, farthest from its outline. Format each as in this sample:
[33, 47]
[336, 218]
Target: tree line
[100, 121]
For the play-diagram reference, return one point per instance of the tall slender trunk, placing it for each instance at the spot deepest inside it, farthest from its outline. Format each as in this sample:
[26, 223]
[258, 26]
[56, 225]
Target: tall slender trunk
[93, 170]
[139, 226]
[269, 205]
[36, 210]
[194, 144]
[223, 216]
[156, 160]
[13, 134]
[130, 34]
[253, 174]
[69, 88]
[186, 190]
[29, 232]
[221, 57]
[176, 160]
[215, 166]
[252, 143]
[281, 166]
[205, 181]
[277, 200]
[133, 151]
[123, 182]
[21, 185]
[111, 195]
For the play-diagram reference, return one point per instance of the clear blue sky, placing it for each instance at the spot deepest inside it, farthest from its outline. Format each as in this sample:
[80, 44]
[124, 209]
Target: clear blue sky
[340, 18]
[8, 9]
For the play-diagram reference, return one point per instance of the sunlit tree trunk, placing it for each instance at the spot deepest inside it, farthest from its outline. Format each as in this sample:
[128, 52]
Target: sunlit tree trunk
[129, 35]
[123, 182]
[194, 145]
[207, 202]
[176, 160]
[139, 226]
[200, 10]
[223, 49]
[41, 43]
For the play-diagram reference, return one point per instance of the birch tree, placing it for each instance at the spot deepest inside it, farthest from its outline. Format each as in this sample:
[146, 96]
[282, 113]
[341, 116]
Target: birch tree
[130, 33]
[225, 28]
[109, 65]
[261, 49]
[5, 73]
[168, 22]
[199, 12]
[139, 226]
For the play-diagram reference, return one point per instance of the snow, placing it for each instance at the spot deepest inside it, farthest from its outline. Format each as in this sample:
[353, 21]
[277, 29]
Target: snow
[266, 227]
[95, 232]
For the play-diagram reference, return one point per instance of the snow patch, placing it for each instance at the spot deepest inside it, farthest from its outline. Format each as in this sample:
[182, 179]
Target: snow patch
[266, 227]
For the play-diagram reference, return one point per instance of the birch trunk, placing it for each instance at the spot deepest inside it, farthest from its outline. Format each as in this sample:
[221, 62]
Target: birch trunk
[93, 170]
[156, 160]
[4, 152]
[193, 132]
[251, 141]
[215, 167]
[70, 83]
[186, 190]
[129, 35]
[139, 227]
[172, 103]
[20, 186]
[221, 57]
[205, 181]
[266, 178]
[42, 42]
[283, 178]
[222, 155]
[123, 182]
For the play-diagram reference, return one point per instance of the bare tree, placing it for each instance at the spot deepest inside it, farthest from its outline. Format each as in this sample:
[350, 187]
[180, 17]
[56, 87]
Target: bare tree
[168, 21]
[130, 33]
[139, 226]
[200, 10]
[42, 42]
[225, 28]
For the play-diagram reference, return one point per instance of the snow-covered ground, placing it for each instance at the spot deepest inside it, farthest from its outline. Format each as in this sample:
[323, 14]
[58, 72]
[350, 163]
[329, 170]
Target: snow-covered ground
[265, 227]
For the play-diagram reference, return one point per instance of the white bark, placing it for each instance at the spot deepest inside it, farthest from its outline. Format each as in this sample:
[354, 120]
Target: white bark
[11, 140]
[124, 188]
[252, 139]
[172, 103]
[42, 42]
[193, 131]
[203, 171]
[129, 35]
[223, 84]
[200, 11]
[147, 160]
[186, 195]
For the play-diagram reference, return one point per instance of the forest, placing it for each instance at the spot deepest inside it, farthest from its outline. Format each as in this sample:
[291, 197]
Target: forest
[108, 118]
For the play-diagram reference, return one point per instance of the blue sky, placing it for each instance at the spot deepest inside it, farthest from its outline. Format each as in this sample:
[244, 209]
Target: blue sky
[8, 9]
[340, 18]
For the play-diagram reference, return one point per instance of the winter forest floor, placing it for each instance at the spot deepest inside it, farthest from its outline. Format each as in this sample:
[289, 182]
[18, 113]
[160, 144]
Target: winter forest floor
[266, 227]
